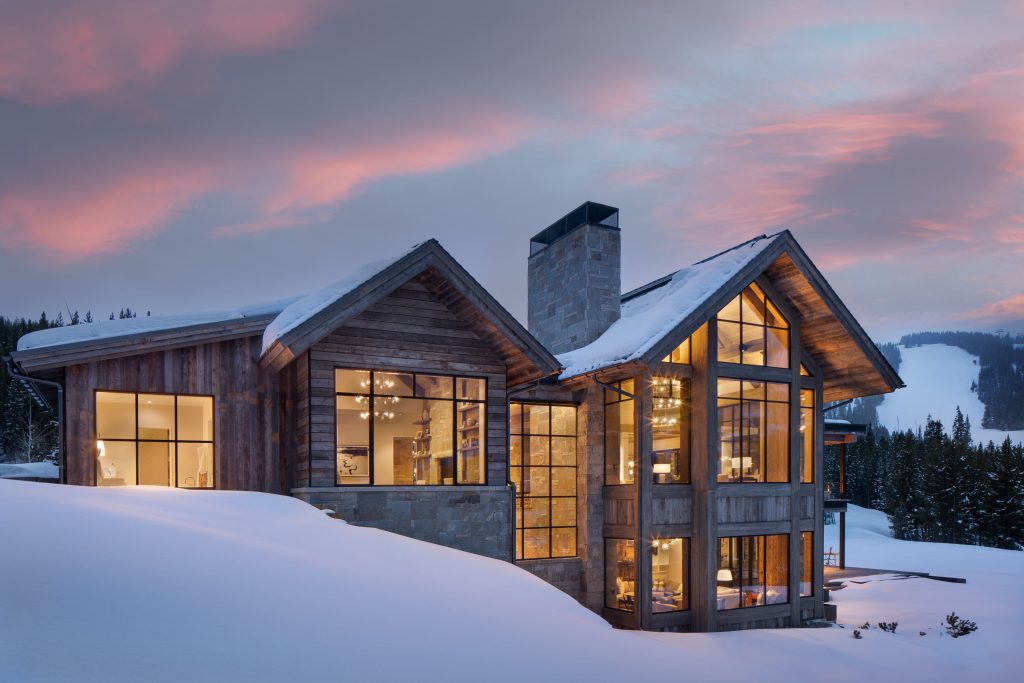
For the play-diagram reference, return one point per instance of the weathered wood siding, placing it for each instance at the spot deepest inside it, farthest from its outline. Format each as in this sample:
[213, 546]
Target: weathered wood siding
[411, 330]
[246, 403]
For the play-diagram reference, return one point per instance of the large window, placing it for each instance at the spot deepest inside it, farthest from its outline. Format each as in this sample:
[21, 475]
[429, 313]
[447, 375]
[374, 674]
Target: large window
[807, 569]
[753, 431]
[542, 465]
[752, 571]
[752, 331]
[154, 439]
[408, 429]
[670, 574]
[620, 574]
[619, 434]
[670, 425]
[806, 436]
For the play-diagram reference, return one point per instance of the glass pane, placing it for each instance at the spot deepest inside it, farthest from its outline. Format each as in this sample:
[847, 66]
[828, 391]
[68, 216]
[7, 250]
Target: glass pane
[195, 465]
[537, 451]
[777, 391]
[728, 575]
[536, 543]
[620, 574]
[620, 445]
[668, 567]
[563, 481]
[754, 391]
[353, 440]
[731, 311]
[470, 389]
[807, 570]
[115, 417]
[563, 512]
[515, 450]
[563, 450]
[752, 417]
[670, 429]
[778, 348]
[804, 371]
[537, 419]
[563, 542]
[538, 481]
[776, 569]
[729, 342]
[472, 468]
[563, 420]
[806, 445]
[352, 381]
[680, 354]
[751, 571]
[515, 418]
[519, 544]
[515, 475]
[773, 316]
[730, 448]
[807, 398]
[434, 386]
[627, 386]
[752, 305]
[156, 417]
[753, 345]
[412, 443]
[392, 383]
[728, 389]
[536, 512]
[115, 463]
[195, 418]
[156, 466]
[777, 447]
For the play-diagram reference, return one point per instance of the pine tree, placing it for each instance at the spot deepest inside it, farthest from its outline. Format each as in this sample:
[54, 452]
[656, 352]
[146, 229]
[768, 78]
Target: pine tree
[14, 421]
[1006, 497]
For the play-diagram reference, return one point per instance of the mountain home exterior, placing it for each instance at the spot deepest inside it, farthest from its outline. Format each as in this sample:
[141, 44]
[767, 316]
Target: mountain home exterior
[656, 455]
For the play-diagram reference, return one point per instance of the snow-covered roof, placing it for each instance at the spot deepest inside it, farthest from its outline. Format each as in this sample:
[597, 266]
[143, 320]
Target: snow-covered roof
[111, 329]
[649, 316]
[29, 470]
[304, 308]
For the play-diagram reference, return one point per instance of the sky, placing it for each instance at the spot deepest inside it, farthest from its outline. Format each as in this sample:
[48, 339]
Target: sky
[188, 156]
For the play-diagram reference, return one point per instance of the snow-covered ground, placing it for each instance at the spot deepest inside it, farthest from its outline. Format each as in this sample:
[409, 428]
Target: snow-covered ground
[938, 379]
[161, 584]
[29, 470]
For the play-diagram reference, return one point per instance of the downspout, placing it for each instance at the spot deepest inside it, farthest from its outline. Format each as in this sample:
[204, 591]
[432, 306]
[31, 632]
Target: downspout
[17, 374]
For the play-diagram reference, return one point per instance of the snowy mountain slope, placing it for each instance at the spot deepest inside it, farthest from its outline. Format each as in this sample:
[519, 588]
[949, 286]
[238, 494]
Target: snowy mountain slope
[161, 584]
[938, 379]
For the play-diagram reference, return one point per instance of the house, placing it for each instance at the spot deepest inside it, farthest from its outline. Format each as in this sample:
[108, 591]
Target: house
[657, 455]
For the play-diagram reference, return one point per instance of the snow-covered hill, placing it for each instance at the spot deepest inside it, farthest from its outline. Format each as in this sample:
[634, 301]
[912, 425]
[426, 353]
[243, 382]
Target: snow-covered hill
[938, 379]
[160, 584]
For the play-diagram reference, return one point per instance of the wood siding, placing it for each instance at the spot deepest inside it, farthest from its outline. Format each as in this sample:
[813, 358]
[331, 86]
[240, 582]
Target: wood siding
[246, 403]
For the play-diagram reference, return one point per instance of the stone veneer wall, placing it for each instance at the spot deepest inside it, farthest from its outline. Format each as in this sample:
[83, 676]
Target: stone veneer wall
[477, 519]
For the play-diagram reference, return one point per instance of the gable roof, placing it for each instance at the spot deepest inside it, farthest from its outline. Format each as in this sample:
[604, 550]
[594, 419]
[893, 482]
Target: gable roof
[310, 319]
[659, 315]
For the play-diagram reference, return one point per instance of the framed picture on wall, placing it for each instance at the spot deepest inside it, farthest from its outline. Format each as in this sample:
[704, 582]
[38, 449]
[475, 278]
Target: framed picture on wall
[354, 461]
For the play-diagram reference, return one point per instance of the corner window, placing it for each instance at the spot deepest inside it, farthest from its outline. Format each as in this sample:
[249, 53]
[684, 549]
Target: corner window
[752, 571]
[752, 331]
[620, 574]
[670, 574]
[619, 434]
[753, 431]
[806, 436]
[807, 570]
[670, 426]
[154, 440]
[409, 429]
[542, 465]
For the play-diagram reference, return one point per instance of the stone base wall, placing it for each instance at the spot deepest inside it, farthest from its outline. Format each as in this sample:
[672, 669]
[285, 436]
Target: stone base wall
[563, 574]
[477, 519]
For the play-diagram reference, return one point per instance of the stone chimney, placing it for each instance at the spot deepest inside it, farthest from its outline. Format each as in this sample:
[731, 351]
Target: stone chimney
[575, 278]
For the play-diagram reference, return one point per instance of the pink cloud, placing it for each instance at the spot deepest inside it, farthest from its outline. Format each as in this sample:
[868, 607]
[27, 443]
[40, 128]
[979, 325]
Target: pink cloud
[50, 53]
[1010, 308]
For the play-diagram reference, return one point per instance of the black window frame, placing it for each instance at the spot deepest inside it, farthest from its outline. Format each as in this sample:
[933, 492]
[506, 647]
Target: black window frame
[763, 432]
[520, 494]
[803, 562]
[687, 581]
[175, 441]
[762, 570]
[788, 329]
[604, 583]
[686, 396]
[620, 397]
[454, 400]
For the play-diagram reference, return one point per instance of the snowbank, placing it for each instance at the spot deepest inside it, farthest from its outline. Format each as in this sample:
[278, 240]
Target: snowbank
[938, 379]
[647, 318]
[161, 584]
[29, 470]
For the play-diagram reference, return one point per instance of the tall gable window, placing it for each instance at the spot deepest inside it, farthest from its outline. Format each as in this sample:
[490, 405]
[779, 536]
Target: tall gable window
[753, 431]
[680, 354]
[670, 430]
[154, 440]
[408, 429]
[752, 331]
[806, 436]
[542, 465]
[619, 434]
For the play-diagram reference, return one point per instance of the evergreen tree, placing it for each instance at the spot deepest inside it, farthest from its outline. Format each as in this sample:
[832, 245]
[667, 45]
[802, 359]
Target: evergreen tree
[1005, 500]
